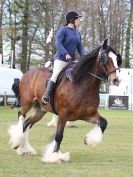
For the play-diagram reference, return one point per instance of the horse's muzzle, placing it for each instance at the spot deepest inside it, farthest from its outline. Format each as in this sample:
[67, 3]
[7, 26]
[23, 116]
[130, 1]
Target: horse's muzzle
[114, 81]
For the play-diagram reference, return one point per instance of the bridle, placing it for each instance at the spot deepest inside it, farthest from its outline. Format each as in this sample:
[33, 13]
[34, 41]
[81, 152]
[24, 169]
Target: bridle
[103, 59]
[114, 70]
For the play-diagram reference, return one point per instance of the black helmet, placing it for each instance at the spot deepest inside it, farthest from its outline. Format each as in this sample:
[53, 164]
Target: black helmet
[71, 16]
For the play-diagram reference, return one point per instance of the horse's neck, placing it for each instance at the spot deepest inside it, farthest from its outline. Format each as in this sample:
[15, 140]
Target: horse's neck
[93, 82]
[97, 69]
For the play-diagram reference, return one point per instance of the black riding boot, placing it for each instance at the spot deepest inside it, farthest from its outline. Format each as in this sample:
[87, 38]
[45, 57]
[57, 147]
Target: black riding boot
[50, 85]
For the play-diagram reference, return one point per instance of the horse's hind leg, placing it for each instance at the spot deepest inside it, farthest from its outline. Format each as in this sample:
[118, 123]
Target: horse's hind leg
[25, 148]
[16, 131]
[54, 121]
[52, 153]
[94, 137]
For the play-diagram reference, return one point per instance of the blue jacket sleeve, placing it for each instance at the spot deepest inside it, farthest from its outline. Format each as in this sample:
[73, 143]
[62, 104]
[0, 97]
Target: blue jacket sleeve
[80, 48]
[59, 41]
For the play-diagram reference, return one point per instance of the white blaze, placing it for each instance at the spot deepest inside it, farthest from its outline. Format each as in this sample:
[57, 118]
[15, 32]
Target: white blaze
[114, 59]
[113, 56]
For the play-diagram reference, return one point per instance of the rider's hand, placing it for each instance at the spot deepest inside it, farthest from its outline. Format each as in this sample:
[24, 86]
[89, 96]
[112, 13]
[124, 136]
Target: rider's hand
[68, 57]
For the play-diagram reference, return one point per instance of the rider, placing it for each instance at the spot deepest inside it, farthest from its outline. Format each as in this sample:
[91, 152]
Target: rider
[68, 40]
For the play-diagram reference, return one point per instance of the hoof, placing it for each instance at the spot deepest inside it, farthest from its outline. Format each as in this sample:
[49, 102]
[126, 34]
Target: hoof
[16, 137]
[94, 137]
[28, 151]
[56, 157]
[52, 124]
[91, 143]
[16, 134]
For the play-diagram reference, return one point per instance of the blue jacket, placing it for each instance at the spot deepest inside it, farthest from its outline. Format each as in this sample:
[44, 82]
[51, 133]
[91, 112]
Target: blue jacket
[68, 41]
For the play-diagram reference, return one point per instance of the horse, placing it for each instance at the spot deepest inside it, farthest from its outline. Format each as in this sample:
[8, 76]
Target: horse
[76, 99]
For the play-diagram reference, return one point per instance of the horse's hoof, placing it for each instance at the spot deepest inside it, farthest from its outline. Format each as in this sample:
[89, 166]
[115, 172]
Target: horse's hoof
[29, 151]
[51, 124]
[56, 157]
[16, 147]
[85, 141]
[72, 126]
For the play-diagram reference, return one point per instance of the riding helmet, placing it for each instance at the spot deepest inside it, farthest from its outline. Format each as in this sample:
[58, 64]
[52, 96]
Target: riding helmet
[71, 16]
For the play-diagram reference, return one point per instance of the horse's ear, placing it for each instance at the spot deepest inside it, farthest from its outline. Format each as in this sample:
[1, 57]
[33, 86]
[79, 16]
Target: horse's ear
[105, 43]
[119, 59]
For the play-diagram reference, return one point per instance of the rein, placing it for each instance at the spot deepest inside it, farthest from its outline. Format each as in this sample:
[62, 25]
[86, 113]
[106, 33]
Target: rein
[102, 78]
[97, 77]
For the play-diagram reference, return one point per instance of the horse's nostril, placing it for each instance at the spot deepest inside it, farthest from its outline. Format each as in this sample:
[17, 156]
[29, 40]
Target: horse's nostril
[116, 81]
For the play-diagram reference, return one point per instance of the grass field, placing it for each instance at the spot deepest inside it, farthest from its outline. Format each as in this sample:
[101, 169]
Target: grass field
[112, 158]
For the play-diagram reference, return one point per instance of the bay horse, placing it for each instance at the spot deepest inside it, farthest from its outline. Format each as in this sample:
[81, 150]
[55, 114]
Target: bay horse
[74, 100]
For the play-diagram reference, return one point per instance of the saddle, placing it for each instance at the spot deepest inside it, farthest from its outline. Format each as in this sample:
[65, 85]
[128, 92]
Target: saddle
[67, 70]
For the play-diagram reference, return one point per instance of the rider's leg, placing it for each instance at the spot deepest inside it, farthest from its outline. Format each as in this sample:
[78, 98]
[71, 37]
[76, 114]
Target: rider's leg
[58, 66]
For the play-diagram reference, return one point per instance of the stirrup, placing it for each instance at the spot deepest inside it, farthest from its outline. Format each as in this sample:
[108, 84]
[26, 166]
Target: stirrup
[45, 100]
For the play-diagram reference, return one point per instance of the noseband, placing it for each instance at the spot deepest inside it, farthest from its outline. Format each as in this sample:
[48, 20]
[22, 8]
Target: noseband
[114, 70]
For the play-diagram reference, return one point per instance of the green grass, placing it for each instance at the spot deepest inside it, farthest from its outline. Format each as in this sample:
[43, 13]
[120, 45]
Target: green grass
[112, 158]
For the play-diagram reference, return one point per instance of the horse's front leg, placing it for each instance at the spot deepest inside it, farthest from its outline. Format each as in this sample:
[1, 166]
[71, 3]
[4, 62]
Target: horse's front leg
[94, 137]
[19, 133]
[52, 153]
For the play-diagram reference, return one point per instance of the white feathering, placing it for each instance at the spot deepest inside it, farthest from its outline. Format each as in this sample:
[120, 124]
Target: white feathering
[94, 137]
[54, 157]
[16, 133]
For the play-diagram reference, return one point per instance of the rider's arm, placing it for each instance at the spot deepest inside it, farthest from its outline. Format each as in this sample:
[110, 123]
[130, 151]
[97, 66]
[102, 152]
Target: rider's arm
[60, 35]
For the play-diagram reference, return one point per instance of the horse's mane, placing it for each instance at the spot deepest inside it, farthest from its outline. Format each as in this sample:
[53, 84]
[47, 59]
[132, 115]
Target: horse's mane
[84, 65]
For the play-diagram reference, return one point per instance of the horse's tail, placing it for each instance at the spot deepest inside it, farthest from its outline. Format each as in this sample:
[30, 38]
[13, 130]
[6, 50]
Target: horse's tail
[15, 89]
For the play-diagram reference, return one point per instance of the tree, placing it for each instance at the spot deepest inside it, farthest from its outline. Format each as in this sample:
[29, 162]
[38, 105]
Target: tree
[128, 36]
[25, 24]
[1, 33]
